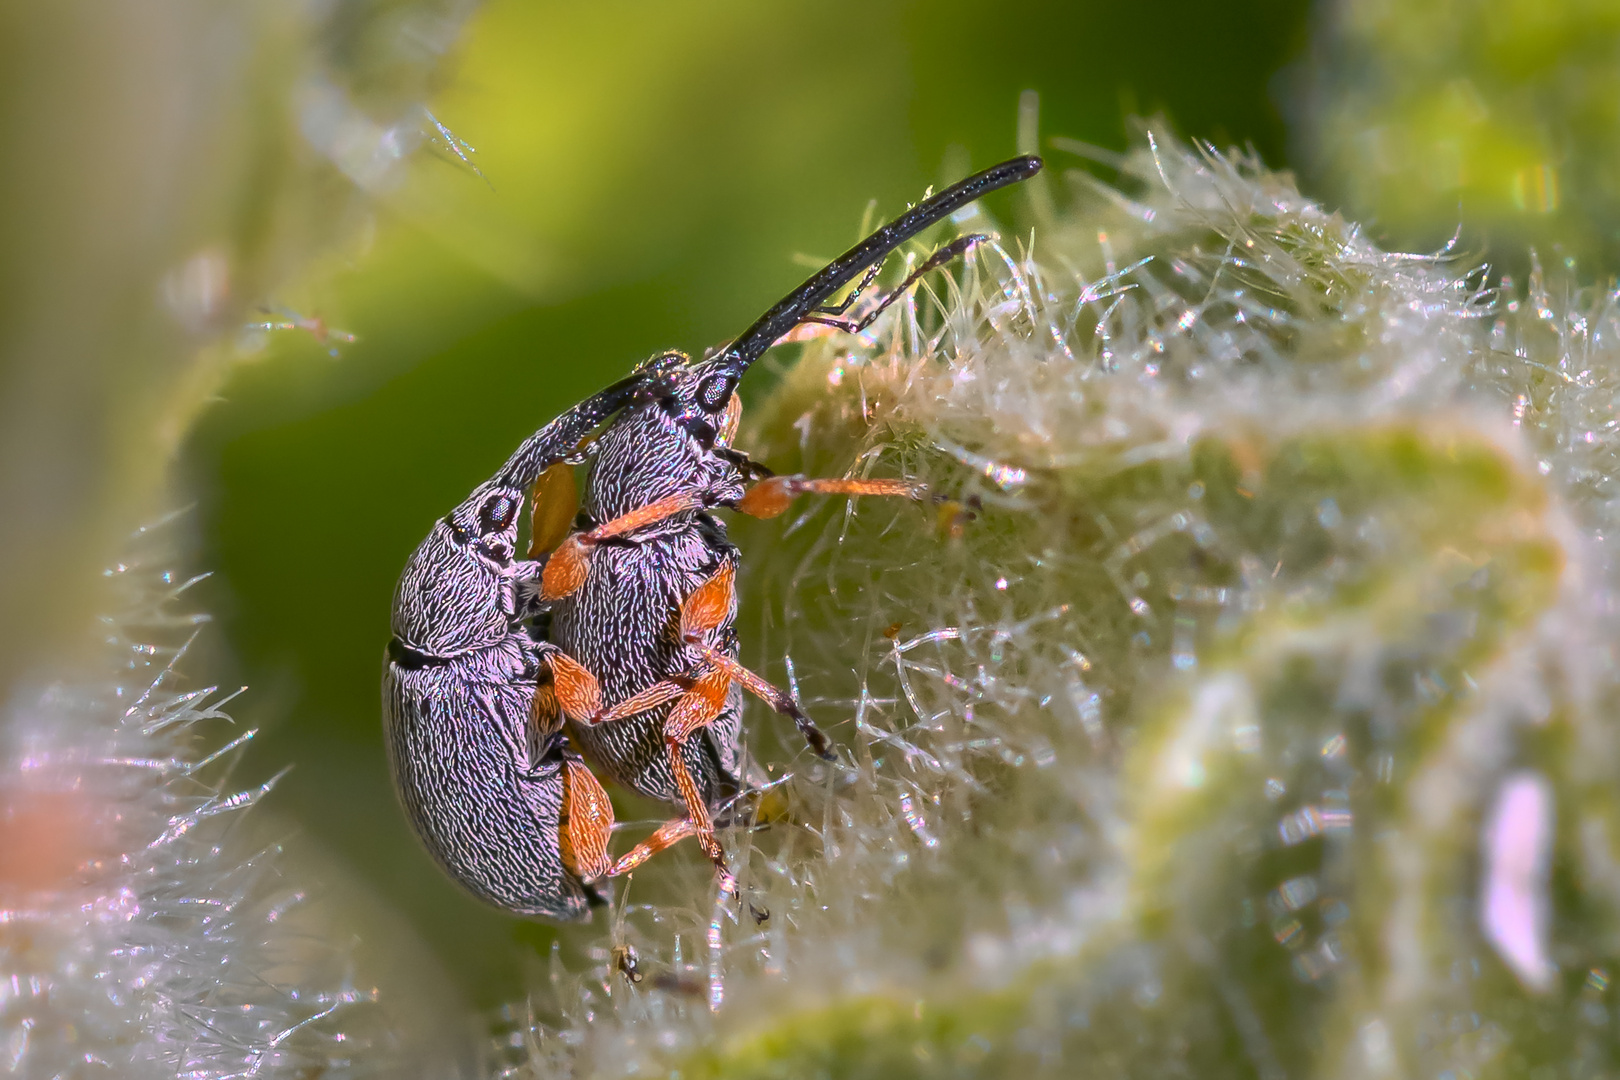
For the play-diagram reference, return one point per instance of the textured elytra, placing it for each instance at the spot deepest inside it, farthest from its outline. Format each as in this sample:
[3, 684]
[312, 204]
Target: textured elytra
[474, 784]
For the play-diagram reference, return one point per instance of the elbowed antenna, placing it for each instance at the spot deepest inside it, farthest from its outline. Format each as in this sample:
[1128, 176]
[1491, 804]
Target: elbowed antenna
[791, 310]
[562, 436]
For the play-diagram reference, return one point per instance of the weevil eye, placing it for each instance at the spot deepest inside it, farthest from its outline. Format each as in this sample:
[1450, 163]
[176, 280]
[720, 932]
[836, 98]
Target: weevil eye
[715, 391]
[497, 514]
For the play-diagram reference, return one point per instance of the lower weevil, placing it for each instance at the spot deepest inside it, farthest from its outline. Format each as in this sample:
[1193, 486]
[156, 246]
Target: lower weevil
[617, 637]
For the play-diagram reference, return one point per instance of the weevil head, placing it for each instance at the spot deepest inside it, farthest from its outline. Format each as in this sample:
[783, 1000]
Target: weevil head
[485, 525]
[457, 592]
[702, 399]
[698, 397]
[661, 445]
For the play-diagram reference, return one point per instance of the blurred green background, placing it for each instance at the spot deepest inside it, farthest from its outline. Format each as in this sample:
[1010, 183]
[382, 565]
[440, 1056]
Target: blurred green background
[652, 172]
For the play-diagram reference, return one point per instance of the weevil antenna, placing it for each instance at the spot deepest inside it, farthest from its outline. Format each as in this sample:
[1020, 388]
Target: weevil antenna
[791, 309]
[562, 437]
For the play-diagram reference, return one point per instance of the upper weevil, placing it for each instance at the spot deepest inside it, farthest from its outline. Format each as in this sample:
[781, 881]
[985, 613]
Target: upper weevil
[619, 634]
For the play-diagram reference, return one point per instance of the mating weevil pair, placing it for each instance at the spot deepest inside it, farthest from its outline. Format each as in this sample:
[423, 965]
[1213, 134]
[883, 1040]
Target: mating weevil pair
[500, 665]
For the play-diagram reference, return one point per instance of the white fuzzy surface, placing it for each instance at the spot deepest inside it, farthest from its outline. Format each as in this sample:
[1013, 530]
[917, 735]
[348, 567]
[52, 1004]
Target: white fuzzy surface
[173, 949]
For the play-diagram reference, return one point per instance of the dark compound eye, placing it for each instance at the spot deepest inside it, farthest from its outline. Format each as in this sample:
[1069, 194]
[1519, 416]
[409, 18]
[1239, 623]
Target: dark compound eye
[715, 391]
[496, 515]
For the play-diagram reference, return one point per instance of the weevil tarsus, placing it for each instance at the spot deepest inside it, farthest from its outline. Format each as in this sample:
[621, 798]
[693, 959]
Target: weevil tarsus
[775, 494]
[627, 963]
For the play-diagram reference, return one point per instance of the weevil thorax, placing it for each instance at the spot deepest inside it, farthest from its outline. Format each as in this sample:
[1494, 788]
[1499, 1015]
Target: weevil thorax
[663, 444]
[457, 592]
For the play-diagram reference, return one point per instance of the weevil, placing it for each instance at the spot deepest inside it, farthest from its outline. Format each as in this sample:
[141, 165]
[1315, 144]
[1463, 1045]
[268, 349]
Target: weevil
[615, 632]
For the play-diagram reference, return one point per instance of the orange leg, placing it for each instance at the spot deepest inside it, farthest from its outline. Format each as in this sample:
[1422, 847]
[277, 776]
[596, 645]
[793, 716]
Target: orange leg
[578, 693]
[565, 571]
[695, 710]
[770, 497]
[698, 707]
[708, 605]
[669, 833]
[587, 819]
[576, 689]
[586, 824]
[704, 610]
[650, 698]
[697, 810]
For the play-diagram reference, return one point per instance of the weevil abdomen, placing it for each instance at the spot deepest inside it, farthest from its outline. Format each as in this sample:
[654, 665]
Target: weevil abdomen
[482, 789]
